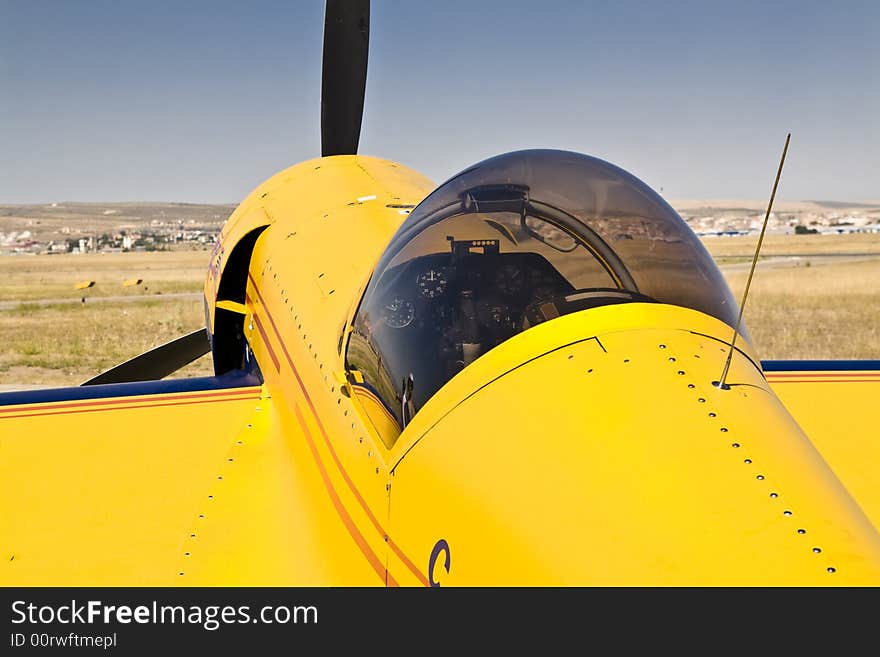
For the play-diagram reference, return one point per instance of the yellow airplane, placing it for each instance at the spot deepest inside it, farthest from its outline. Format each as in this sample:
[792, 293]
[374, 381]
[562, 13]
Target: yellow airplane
[511, 379]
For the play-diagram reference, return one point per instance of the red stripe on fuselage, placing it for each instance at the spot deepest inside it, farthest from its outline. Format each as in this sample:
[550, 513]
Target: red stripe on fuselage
[409, 564]
[359, 539]
[268, 345]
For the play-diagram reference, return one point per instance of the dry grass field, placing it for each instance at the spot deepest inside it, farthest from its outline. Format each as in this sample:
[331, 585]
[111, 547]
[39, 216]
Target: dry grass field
[64, 343]
[825, 310]
[826, 306]
[29, 277]
[823, 307]
[775, 245]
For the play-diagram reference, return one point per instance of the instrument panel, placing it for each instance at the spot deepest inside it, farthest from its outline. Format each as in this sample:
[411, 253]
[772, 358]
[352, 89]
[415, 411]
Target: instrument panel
[474, 297]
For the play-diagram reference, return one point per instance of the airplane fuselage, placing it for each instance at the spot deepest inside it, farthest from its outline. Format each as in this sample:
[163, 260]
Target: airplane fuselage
[592, 449]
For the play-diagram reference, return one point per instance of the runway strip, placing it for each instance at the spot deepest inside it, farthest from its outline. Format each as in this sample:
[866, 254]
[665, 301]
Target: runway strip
[12, 305]
[792, 261]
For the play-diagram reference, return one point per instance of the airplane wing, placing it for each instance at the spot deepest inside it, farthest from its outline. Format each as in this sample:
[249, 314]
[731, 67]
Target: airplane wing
[836, 404]
[187, 482]
[117, 476]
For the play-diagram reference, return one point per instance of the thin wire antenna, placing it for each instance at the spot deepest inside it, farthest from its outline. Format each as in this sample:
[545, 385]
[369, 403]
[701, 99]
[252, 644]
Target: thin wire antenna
[721, 383]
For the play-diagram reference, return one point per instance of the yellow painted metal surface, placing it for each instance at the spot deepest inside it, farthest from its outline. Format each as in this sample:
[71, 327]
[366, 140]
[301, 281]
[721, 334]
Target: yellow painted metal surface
[840, 413]
[331, 220]
[267, 518]
[333, 213]
[106, 491]
[233, 306]
[627, 467]
[383, 423]
[231, 492]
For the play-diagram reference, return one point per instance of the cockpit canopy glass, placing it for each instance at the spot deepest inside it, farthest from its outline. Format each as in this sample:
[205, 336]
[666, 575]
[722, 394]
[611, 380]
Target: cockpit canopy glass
[511, 242]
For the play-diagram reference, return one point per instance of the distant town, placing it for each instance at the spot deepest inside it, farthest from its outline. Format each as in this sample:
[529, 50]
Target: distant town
[109, 228]
[797, 218]
[158, 236]
[121, 227]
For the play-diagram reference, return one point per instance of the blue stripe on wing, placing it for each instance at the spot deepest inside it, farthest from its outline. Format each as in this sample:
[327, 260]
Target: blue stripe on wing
[233, 379]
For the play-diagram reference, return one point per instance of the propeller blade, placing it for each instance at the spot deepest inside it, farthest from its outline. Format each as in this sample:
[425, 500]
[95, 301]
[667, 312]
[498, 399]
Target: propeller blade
[344, 75]
[159, 362]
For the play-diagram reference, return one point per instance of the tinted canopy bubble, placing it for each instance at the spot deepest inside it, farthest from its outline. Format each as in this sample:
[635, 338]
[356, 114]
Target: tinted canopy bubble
[509, 243]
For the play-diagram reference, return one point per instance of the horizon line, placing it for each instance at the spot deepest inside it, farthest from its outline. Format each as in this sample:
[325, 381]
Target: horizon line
[671, 201]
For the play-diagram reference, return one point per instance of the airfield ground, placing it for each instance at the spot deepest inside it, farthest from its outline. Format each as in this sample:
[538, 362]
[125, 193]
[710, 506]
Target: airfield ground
[812, 297]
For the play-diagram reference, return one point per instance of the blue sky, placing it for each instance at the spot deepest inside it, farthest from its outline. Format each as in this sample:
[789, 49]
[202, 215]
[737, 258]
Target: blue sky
[200, 101]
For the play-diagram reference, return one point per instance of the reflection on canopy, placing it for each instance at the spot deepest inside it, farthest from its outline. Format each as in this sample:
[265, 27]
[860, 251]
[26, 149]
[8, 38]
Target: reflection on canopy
[517, 240]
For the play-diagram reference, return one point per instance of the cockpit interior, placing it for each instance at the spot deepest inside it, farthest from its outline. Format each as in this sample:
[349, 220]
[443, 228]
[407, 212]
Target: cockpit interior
[510, 243]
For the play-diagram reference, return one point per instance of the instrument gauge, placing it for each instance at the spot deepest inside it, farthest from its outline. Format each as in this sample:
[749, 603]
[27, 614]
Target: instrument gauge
[399, 312]
[432, 283]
